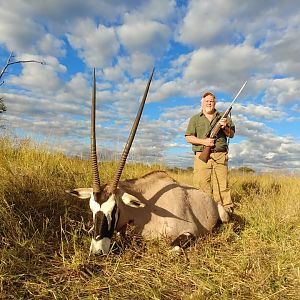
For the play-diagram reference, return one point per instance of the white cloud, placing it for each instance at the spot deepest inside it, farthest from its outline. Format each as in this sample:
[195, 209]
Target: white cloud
[267, 152]
[138, 35]
[212, 66]
[215, 22]
[283, 91]
[157, 9]
[50, 44]
[18, 33]
[36, 77]
[113, 73]
[254, 110]
[136, 63]
[164, 90]
[96, 45]
[205, 25]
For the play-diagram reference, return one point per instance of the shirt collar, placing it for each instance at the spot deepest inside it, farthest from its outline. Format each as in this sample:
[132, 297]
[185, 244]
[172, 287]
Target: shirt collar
[215, 113]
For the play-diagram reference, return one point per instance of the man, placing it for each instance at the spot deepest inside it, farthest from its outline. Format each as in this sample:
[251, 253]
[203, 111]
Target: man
[211, 177]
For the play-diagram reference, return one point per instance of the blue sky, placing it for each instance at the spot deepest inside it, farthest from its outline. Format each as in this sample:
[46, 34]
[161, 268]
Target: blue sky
[194, 45]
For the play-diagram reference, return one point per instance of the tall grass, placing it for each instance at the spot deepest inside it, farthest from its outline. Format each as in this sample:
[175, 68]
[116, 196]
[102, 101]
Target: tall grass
[45, 240]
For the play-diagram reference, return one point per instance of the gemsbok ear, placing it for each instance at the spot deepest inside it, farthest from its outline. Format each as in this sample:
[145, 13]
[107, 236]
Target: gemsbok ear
[82, 193]
[132, 201]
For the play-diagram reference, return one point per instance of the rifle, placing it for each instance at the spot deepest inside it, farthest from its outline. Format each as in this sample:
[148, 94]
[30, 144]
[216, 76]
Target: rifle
[204, 155]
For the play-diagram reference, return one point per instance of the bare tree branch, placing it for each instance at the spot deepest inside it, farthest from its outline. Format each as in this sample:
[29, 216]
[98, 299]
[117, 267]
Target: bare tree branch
[11, 62]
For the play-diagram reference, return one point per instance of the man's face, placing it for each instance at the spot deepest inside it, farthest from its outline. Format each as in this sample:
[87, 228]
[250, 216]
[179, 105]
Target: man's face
[208, 104]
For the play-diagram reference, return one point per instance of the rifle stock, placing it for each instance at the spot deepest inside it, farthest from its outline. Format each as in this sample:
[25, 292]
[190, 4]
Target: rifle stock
[204, 155]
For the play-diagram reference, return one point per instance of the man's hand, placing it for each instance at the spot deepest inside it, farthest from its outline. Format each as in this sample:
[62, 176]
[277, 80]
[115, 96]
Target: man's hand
[208, 142]
[196, 141]
[223, 122]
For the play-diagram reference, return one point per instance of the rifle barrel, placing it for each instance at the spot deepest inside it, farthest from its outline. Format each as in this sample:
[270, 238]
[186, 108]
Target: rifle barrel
[238, 92]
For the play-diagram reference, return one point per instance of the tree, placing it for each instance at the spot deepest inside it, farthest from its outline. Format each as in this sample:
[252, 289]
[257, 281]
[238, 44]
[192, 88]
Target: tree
[2, 106]
[11, 61]
[2, 109]
[246, 170]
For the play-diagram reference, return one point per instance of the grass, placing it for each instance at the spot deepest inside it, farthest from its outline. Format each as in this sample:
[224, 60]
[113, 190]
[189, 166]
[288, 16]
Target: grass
[44, 239]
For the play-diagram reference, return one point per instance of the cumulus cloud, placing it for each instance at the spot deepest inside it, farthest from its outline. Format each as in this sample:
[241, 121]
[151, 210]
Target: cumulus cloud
[210, 23]
[50, 44]
[96, 45]
[146, 36]
[267, 152]
[255, 110]
[204, 25]
[283, 91]
[37, 77]
[212, 65]
[146, 29]
[161, 10]
[136, 63]
[115, 73]
[16, 35]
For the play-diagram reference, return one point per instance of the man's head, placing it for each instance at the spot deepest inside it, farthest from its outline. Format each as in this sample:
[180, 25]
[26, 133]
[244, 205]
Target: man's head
[208, 102]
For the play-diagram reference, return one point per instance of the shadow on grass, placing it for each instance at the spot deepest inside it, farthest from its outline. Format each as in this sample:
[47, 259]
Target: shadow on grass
[237, 221]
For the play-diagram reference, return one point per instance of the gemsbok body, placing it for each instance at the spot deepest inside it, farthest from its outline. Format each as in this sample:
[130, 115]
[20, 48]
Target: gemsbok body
[155, 204]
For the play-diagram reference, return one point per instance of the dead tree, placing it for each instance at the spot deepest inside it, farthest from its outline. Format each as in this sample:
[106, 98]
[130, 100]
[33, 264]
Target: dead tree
[11, 61]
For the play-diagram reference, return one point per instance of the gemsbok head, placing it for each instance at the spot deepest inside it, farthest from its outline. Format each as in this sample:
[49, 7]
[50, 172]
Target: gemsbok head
[104, 202]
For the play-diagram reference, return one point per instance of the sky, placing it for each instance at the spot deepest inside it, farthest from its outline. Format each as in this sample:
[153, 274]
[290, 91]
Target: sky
[194, 46]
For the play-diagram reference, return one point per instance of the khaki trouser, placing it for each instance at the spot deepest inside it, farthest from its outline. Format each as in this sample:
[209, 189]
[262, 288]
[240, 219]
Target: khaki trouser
[212, 177]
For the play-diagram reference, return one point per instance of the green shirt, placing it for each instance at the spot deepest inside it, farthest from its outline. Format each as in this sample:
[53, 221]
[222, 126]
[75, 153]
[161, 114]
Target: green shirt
[199, 126]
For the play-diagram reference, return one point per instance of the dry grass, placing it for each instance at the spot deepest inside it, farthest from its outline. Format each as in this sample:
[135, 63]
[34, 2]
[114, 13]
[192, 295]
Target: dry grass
[44, 240]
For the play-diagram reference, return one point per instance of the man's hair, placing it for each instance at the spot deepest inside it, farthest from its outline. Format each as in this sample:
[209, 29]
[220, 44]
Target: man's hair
[208, 93]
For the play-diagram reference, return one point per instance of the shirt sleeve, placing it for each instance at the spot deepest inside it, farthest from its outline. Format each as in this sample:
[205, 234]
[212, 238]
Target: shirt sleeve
[191, 129]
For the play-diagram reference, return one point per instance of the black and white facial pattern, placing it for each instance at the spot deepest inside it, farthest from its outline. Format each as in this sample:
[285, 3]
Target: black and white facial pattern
[105, 217]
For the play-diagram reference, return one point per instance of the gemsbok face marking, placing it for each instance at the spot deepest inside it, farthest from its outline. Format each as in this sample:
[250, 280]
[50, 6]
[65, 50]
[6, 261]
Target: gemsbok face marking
[105, 218]
[155, 203]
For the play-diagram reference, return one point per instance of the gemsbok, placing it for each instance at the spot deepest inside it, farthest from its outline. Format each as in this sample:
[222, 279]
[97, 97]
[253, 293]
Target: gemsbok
[155, 204]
